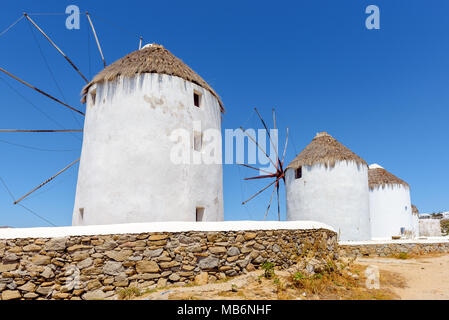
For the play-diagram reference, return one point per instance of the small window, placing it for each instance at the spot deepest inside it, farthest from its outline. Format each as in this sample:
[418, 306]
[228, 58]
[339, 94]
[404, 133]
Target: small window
[298, 173]
[93, 96]
[82, 213]
[199, 214]
[197, 141]
[197, 99]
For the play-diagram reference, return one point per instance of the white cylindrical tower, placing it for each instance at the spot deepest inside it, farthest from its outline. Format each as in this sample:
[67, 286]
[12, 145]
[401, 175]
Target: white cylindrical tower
[327, 182]
[144, 113]
[390, 207]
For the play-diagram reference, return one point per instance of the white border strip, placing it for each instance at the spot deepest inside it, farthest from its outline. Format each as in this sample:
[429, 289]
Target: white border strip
[172, 226]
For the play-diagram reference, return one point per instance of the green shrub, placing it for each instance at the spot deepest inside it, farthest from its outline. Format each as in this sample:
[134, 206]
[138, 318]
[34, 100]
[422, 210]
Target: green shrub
[269, 269]
[299, 276]
[403, 255]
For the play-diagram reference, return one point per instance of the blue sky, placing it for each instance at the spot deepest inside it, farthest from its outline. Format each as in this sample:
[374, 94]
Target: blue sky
[383, 93]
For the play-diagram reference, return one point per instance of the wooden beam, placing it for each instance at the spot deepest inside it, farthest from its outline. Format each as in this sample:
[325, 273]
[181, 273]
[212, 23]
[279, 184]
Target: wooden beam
[96, 38]
[56, 47]
[40, 91]
[19, 130]
[47, 181]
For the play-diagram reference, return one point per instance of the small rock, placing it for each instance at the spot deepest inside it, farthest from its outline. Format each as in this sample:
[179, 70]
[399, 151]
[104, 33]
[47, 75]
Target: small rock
[56, 244]
[44, 290]
[208, 263]
[174, 277]
[119, 255]
[30, 295]
[85, 263]
[10, 258]
[95, 295]
[217, 250]
[201, 279]
[157, 237]
[40, 260]
[145, 266]
[7, 267]
[233, 251]
[239, 238]
[28, 287]
[47, 273]
[77, 247]
[250, 267]
[113, 268]
[60, 295]
[94, 284]
[155, 253]
[11, 295]
[31, 248]
[161, 283]
[250, 235]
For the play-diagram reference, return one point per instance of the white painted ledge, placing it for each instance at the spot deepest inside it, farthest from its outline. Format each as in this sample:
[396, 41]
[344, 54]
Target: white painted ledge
[172, 226]
[401, 241]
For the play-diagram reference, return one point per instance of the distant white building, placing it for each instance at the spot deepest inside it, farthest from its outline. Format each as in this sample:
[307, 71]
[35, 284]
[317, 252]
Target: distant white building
[390, 205]
[328, 183]
[415, 220]
[126, 174]
[430, 228]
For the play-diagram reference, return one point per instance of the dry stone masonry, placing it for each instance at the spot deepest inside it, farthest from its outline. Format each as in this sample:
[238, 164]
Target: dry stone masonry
[97, 267]
[393, 249]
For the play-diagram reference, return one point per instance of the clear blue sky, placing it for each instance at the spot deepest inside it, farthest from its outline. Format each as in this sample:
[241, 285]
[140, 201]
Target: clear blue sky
[383, 93]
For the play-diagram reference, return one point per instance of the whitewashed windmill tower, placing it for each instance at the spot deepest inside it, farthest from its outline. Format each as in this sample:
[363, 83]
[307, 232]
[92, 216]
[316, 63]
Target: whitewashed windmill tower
[126, 174]
[390, 206]
[327, 182]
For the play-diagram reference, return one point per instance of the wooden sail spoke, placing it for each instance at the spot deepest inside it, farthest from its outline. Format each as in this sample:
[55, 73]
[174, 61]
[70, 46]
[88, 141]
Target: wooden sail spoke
[40, 91]
[269, 136]
[96, 38]
[40, 131]
[260, 191]
[258, 169]
[46, 181]
[258, 146]
[262, 177]
[56, 47]
[269, 203]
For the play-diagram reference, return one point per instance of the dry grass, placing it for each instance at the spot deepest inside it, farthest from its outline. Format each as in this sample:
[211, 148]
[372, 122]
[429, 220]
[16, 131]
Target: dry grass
[128, 293]
[380, 178]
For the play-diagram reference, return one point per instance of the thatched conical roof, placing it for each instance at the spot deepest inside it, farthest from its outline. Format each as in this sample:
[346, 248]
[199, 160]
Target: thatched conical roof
[379, 177]
[152, 58]
[326, 150]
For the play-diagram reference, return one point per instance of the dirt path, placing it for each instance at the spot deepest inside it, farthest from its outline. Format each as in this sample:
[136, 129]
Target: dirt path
[424, 277]
[417, 278]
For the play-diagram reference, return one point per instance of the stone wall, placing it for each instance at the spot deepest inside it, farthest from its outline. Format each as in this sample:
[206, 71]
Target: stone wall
[97, 267]
[393, 249]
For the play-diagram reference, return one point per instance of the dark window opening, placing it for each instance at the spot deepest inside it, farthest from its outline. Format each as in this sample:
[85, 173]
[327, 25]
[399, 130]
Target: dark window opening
[197, 141]
[93, 96]
[82, 213]
[196, 99]
[199, 214]
[298, 173]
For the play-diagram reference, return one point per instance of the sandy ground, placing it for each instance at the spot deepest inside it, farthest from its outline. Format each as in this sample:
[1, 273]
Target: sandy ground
[414, 278]
[423, 278]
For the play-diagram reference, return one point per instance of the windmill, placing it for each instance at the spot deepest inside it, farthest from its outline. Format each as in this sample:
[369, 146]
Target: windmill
[77, 111]
[278, 175]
